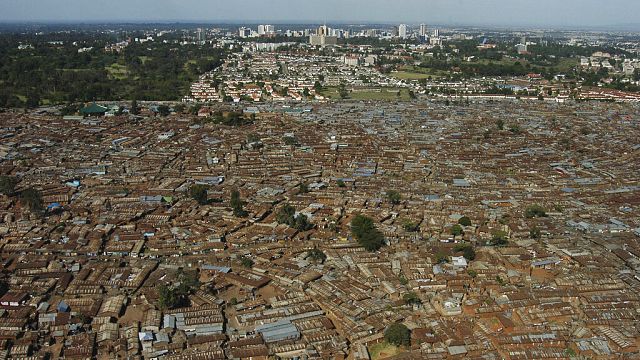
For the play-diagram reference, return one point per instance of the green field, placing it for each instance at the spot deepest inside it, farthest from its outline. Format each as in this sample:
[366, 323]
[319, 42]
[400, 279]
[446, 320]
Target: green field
[117, 71]
[405, 75]
[417, 73]
[383, 94]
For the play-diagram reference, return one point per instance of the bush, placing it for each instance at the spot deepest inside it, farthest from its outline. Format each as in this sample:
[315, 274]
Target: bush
[247, 262]
[291, 141]
[499, 238]
[410, 226]
[411, 298]
[366, 233]
[535, 233]
[341, 183]
[394, 197]
[398, 334]
[535, 211]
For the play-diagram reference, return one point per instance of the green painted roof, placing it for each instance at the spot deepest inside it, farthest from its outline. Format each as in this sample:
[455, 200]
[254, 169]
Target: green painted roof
[93, 109]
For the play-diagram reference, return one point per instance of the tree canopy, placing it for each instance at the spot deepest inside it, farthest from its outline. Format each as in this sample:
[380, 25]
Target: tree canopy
[364, 230]
[8, 185]
[398, 334]
[32, 199]
[237, 205]
[394, 197]
[535, 211]
[198, 192]
[317, 255]
[464, 221]
[286, 215]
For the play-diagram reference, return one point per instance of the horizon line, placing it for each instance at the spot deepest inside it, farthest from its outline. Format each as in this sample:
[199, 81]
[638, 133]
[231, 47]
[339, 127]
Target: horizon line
[634, 28]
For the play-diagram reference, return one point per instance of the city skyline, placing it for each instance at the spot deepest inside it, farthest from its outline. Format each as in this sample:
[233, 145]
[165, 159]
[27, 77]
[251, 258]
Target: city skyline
[544, 13]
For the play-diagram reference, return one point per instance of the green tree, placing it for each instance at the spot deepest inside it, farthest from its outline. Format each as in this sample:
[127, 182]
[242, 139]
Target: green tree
[199, 193]
[394, 197]
[464, 221]
[302, 223]
[441, 257]
[340, 183]
[467, 251]
[8, 185]
[134, 108]
[303, 188]
[499, 238]
[366, 233]
[163, 110]
[33, 100]
[500, 124]
[166, 298]
[342, 91]
[411, 298]
[317, 255]
[290, 141]
[286, 215]
[398, 334]
[237, 204]
[456, 230]
[32, 199]
[4, 287]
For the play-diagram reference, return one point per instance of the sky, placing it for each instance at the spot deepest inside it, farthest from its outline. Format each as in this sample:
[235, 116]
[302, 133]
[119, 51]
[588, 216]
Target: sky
[543, 13]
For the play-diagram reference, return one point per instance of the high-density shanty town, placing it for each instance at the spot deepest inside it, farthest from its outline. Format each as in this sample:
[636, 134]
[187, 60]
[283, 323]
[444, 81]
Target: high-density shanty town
[493, 230]
[174, 192]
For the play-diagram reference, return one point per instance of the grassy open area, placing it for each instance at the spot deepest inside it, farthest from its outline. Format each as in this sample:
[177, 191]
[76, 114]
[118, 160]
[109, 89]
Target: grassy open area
[417, 73]
[567, 64]
[388, 94]
[383, 350]
[405, 75]
[117, 71]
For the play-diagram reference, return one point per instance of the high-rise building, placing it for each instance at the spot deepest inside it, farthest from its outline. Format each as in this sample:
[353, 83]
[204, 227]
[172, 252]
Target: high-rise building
[436, 33]
[423, 30]
[200, 35]
[244, 32]
[403, 31]
[323, 37]
[265, 30]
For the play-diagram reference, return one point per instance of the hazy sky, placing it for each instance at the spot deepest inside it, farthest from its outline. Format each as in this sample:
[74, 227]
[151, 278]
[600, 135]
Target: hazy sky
[460, 12]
